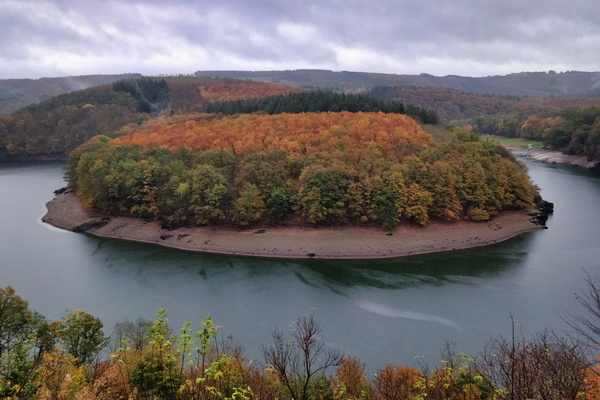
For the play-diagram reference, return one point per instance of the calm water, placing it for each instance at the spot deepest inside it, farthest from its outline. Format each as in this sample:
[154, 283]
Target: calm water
[379, 311]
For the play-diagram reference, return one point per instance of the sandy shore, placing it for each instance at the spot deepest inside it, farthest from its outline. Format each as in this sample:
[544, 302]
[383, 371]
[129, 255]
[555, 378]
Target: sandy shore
[65, 212]
[550, 156]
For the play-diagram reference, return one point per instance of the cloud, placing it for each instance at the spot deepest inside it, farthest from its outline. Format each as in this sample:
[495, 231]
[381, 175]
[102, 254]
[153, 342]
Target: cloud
[440, 37]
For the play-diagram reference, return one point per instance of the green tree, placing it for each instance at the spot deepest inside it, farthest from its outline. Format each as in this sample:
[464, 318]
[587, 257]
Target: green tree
[279, 204]
[249, 206]
[321, 194]
[24, 338]
[418, 201]
[157, 375]
[81, 335]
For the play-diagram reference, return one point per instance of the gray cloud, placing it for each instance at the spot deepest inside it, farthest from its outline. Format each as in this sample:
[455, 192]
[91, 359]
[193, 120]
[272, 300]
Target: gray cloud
[440, 37]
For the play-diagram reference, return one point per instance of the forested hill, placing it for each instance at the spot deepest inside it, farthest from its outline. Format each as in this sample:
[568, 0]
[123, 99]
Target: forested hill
[455, 105]
[18, 93]
[53, 128]
[564, 84]
[308, 168]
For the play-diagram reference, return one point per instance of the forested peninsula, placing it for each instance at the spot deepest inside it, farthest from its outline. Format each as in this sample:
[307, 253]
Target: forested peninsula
[312, 168]
[186, 152]
[324, 185]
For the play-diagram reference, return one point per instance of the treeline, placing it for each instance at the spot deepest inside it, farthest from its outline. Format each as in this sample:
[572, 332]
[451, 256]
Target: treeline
[73, 359]
[321, 168]
[321, 101]
[575, 130]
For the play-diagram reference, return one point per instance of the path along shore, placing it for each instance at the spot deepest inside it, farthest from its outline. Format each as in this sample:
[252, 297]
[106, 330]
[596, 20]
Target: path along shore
[65, 212]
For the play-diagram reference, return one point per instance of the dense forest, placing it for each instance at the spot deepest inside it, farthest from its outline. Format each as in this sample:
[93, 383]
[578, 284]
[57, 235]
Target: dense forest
[316, 168]
[575, 130]
[53, 128]
[320, 101]
[570, 125]
[455, 105]
[73, 359]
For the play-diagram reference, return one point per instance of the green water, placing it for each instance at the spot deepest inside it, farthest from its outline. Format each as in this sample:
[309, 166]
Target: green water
[379, 311]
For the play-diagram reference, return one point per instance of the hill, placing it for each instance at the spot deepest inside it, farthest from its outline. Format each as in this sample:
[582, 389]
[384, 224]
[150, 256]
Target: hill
[310, 168]
[564, 84]
[53, 128]
[18, 93]
[455, 105]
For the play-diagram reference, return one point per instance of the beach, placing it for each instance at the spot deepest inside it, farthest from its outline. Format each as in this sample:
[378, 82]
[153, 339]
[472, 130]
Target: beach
[348, 242]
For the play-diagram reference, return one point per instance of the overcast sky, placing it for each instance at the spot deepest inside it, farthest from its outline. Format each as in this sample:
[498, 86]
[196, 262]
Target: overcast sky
[439, 37]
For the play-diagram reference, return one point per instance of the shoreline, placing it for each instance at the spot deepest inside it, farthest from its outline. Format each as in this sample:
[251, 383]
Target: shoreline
[65, 212]
[553, 157]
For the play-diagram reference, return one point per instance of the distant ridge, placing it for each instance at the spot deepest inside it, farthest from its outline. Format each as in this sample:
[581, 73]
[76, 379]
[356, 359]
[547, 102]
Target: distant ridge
[562, 84]
[17, 93]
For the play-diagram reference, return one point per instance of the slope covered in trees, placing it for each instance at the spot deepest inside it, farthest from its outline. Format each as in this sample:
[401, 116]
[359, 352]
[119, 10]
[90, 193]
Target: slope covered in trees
[53, 128]
[317, 168]
[320, 101]
[566, 124]
[574, 130]
[455, 105]
[19, 93]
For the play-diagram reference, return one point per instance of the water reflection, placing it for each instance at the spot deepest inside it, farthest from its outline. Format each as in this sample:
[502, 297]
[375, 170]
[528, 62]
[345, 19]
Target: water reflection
[405, 307]
[430, 269]
[336, 275]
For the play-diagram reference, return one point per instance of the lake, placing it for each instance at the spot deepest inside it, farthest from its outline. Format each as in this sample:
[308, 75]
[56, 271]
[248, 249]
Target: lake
[383, 311]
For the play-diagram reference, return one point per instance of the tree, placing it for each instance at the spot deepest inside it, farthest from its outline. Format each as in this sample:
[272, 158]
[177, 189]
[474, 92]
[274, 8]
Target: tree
[250, 206]
[135, 333]
[15, 318]
[24, 338]
[350, 381]
[157, 374]
[587, 324]
[278, 204]
[545, 366]
[322, 192]
[301, 361]
[81, 335]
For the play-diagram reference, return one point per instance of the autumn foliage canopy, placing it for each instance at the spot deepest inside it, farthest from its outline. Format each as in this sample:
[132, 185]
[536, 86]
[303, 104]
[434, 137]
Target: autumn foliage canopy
[314, 168]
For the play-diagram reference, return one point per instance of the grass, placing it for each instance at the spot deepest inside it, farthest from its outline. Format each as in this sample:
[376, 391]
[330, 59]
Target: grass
[506, 141]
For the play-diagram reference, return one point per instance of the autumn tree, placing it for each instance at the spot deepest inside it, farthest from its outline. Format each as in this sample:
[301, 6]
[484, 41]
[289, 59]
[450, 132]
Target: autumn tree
[249, 206]
[545, 366]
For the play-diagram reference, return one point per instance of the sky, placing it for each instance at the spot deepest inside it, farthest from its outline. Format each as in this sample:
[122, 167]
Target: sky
[160, 37]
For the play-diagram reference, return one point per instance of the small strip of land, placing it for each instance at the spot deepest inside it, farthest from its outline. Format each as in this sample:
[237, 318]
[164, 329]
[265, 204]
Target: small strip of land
[553, 157]
[65, 212]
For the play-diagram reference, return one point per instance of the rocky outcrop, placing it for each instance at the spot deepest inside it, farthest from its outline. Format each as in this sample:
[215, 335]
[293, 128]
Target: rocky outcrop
[542, 210]
[94, 224]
